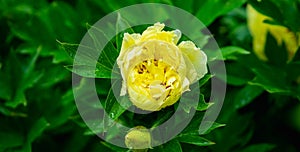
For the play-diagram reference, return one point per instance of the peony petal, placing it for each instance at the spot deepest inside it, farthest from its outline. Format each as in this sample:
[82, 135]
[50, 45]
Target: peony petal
[129, 40]
[195, 58]
[155, 33]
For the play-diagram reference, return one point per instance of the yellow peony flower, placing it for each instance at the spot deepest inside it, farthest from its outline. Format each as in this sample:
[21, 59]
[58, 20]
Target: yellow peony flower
[259, 29]
[138, 138]
[155, 70]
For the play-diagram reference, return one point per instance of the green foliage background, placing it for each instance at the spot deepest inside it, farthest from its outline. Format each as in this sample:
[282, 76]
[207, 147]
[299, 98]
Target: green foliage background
[37, 109]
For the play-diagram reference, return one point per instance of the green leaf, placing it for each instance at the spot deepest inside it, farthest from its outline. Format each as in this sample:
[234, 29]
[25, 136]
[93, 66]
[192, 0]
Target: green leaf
[246, 95]
[112, 106]
[113, 147]
[109, 53]
[23, 81]
[285, 12]
[40, 34]
[265, 78]
[5, 93]
[205, 79]
[53, 74]
[194, 139]
[202, 105]
[71, 49]
[296, 57]
[63, 111]
[90, 71]
[85, 60]
[37, 129]
[213, 126]
[233, 52]
[7, 111]
[165, 116]
[121, 24]
[276, 55]
[215, 9]
[63, 21]
[13, 136]
[238, 126]
[273, 10]
[171, 146]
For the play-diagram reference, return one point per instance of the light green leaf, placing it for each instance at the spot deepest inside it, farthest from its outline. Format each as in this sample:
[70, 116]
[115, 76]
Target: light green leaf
[215, 8]
[90, 71]
[85, 60]
[109, 53]
[112, 106]
[202, 105]
[205, 79]
[232, 52]
[121, 24]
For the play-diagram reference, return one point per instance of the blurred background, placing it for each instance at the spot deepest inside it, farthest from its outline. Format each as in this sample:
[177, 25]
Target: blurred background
[260, 40]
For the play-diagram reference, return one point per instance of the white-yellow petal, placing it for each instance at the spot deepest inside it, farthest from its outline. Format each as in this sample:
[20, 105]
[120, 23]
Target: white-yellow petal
[196, 60]
[155, 70]
[156, 32]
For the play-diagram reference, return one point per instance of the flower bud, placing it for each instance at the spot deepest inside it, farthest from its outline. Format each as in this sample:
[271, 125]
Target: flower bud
[138, 138]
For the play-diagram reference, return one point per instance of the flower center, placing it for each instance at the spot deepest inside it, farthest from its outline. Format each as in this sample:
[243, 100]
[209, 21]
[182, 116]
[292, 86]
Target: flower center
[155, 78]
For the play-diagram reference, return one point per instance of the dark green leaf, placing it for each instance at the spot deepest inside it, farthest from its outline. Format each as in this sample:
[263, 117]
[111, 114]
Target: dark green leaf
[213, 126]
[13, 138]
[37, 129]
[114, 148]
[259, 147]
[27, 77]
[4, 83]
[276, 54]
[171, 146]
[296, 57]
[266, 79]
[246, 95]
[194, 139]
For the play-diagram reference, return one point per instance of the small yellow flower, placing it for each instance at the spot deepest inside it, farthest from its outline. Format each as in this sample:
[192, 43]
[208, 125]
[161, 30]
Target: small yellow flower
[138, 138]
[155, 70]
[259, 29]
